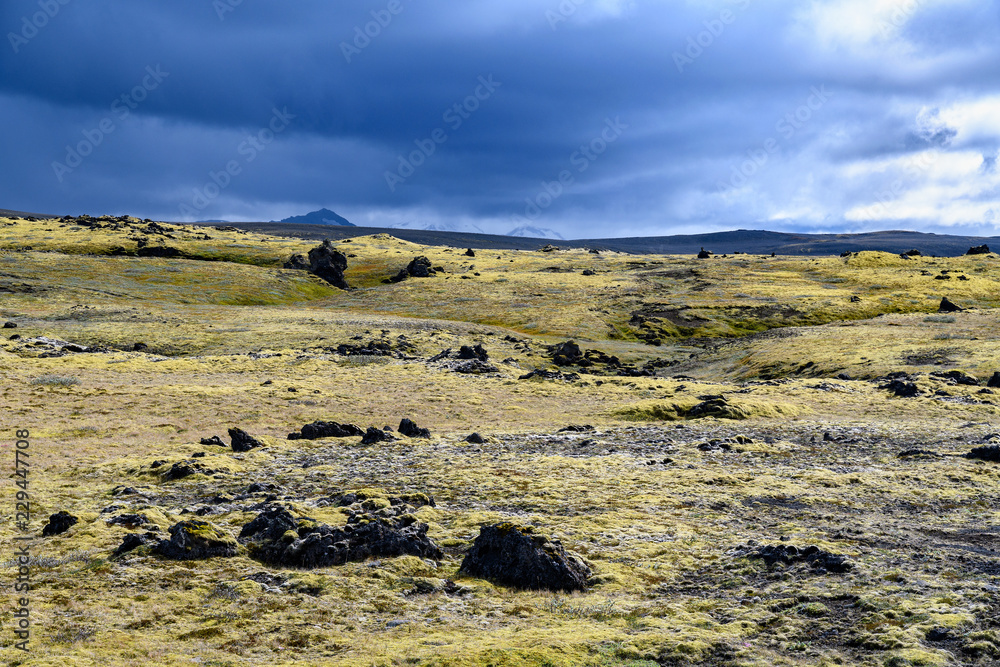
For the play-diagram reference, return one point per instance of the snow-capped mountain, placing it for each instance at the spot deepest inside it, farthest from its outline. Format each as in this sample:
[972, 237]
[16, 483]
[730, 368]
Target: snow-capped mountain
[535, 232]
[439, 227]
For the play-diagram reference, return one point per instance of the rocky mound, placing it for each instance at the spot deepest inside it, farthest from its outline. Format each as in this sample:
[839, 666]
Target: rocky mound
[196, 540]
[513, 555]
[321, 429]
[59, 523]
[276, 538]
[324, 261]
[243, 441]
[988, 453]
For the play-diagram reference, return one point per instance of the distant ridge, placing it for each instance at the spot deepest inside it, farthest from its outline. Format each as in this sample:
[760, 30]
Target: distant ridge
[324, 216]
[754, 242]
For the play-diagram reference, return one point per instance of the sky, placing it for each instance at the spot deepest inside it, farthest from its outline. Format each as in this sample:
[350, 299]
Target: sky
[591, 118]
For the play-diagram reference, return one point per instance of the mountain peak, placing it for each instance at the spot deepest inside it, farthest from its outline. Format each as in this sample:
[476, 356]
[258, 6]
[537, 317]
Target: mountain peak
[534, 232]
[324, 216]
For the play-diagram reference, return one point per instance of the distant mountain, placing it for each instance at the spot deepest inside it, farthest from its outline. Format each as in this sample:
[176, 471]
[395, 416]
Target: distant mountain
[439, 227]
[534, 232]
[212, 222]
[324, 216]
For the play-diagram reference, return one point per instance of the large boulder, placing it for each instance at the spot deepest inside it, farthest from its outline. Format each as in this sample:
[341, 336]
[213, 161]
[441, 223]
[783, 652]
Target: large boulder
[374, 435]
[979, 250]
[947, 306]
[243, 441]
[321, 429]
[515, 556]
[409, 428]
[988, 453]
[59, 523]
[276, 538]
[196, 540]
[327, 263]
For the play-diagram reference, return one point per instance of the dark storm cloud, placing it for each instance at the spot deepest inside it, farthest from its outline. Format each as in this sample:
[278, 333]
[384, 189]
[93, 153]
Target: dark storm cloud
[480, 112]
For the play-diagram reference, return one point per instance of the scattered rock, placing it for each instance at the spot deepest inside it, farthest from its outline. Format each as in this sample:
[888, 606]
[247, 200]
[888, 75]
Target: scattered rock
[938, 634]
[275, 537]
[513, 555]
[243, 441]
[819, 560]
[475, 352]
[588, 272]
[10, 325]
[129, 520]
[576, 428]
[958, 377]
[548, 248]
[994, 381]
[902, 388]
[470, 253]
[133, 541]
[184, 469]
[549, 375]
[979, 250]
[704, 254]
[298, 262]
[408, 428]
[196, 540]
[321, 429]
[59, 523]
[988, 453]
[948, 307]
[374, 435]
[918, 454]
[214, 441]
[475, 439]
[475, 367]
[913, 253]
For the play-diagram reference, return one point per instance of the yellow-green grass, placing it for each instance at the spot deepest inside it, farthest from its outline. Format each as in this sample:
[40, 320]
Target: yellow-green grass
[668, 587]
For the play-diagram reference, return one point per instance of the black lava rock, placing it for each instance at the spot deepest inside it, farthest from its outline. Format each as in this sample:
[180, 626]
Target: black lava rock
[474, 352]
[704, 254]
[132, 542]
[243, 441]
[329, 264]
[374, 435]
[514, 556]
[59, 523]
[989, 453]
[128, 520]
[214, 441]
[813, 555]
[276, 538]
[475, 439]
[948, 307]
[298, 262]
[321, 429]
[470, 253]
[408, 428]
[196, 540]
[994, 381]
[183, 469]
[979, 250]
[10, 325]
[902, 388]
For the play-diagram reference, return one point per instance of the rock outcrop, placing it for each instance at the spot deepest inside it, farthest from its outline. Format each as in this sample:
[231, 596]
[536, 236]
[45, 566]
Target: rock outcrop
[196, 540]
[515, 556]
